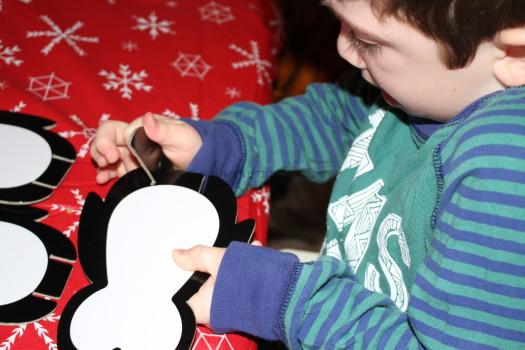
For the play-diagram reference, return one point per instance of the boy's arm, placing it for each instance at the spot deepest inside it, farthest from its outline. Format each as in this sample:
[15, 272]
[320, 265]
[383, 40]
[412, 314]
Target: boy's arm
[469, 292]
[246, 143]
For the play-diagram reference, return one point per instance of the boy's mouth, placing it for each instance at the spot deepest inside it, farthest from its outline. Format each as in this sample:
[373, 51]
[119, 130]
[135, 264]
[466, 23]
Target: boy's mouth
[389, 99]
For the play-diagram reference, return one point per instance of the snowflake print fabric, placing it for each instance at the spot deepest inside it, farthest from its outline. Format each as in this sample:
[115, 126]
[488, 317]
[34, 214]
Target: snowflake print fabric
[190, 65]
[153, 26]
[216, 13]
[58, 35]
[253, 58]
[48, 87]
[125, 81]
[8, 54]
[81, 63]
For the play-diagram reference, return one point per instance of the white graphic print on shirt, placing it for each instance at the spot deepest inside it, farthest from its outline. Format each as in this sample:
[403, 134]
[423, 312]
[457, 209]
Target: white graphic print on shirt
[372, 277]
[391, 226]
[358, 155]
[360, 211]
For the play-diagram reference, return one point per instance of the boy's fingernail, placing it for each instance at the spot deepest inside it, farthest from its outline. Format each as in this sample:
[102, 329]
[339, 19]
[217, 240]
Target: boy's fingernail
[178, 252]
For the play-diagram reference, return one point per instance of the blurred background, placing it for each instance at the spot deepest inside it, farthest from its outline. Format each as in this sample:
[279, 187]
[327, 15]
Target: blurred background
[298, 206]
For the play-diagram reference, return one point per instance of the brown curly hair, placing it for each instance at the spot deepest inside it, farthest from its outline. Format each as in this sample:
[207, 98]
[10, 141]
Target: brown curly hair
[459, 26]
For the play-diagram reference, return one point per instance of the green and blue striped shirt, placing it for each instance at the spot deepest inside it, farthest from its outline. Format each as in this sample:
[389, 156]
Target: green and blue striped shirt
[425, 243]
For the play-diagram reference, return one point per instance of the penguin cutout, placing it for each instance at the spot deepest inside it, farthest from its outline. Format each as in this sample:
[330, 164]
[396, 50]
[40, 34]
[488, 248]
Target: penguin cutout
[137, 296]
[34, 160]
[35, 263]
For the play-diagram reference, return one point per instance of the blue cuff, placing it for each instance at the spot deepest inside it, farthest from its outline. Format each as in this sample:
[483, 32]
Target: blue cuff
[252, 289]
[221, 151]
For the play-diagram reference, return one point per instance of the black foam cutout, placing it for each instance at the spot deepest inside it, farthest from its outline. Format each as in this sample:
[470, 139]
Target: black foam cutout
[61, 254]
[63, 154]
[92, 234]
[54, 280]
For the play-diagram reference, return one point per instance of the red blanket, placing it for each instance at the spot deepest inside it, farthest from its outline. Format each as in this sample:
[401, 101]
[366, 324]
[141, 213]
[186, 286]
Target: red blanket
[82, 62]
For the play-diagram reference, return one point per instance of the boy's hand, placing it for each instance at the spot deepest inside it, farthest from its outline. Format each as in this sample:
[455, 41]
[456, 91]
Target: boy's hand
[179, 141]
[110, 152]
[203, 259]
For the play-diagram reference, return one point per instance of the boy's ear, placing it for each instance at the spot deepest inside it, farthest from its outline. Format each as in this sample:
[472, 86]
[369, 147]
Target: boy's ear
[510, 67]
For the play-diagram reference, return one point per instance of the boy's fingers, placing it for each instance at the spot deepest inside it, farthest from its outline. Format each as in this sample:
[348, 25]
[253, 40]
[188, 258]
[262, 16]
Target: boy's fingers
[103, 152]
[128, 160]
[199, 258]
[103, 176]
[108, 137]
[121, 170]
[200, 302]
[159, 128]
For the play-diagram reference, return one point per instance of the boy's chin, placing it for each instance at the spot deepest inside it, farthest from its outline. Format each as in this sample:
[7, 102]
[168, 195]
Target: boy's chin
[390, 100]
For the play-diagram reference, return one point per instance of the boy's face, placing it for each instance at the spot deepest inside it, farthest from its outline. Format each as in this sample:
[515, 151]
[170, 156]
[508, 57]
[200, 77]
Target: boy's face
[406, 65]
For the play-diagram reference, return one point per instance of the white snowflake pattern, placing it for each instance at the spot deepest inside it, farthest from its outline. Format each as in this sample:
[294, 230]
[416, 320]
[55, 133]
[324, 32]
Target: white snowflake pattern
[19, 106]
[262, 196]
[253, 59]
[49, 87]
[153, 25]
[130, 46]
[59, 35]
[203, 340]
[43, 333]
[8, 54]
[87, 132]
[232, 92]
[194, 112]
[217, 13]
[190, 65]
[19, 331]
[3, 85]
[125, 81]
[77, 210]
[171, 4]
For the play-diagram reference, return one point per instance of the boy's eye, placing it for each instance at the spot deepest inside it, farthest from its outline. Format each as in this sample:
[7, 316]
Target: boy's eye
[360, 44]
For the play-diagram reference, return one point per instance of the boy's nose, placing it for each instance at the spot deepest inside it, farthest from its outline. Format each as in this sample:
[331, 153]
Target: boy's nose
[350, 53]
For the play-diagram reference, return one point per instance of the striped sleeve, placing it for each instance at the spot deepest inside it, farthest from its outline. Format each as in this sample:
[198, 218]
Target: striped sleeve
[469, 293]
[330, 310]
[309, 133]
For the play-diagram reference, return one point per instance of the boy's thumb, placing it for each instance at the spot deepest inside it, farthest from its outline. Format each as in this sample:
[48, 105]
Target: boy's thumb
[199, 258]
[181, 258]
[158, 128]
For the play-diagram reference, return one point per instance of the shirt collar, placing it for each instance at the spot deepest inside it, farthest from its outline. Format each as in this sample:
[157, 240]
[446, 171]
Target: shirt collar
[424, 128]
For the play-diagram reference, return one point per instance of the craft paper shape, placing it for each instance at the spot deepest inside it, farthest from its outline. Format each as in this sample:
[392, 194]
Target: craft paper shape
[34, 160]
[35, 263]
[137, 299]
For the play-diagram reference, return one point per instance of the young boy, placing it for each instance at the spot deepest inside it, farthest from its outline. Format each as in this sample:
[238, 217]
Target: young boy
[425, 244]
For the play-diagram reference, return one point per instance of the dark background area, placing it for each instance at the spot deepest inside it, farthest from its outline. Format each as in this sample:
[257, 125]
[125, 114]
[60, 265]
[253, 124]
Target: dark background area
[298, 206]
